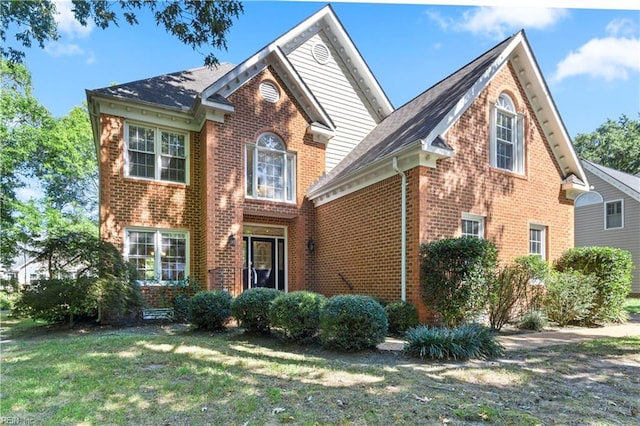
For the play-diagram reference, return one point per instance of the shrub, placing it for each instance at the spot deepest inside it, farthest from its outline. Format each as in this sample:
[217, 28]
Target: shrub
[181, 303]
[538, 268]
[465, 342]
[352, 323]
[6, 301]
[570, 297]
[612, 268]
[251, 308]
[297, 314]
[401, 316]
[455, 273]
[506, 291]
[533, 319]
[210, 310]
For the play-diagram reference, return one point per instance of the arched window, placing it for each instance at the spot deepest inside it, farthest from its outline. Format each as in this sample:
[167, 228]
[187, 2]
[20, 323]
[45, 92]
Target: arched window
[507, 136]
[588, 198]
[270, 170]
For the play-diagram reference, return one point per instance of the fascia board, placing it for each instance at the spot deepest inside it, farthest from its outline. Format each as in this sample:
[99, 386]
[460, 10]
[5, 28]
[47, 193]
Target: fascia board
[613, 182]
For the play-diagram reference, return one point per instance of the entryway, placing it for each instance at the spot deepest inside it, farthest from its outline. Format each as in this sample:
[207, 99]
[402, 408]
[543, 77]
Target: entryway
[263, 257]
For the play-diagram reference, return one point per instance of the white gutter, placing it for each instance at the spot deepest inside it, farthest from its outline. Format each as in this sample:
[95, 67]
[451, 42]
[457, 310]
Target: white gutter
[403, 237]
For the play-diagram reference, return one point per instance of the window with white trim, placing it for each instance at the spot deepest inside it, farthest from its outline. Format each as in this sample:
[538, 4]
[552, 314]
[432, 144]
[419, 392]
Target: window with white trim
[156, 153]
[507, 136]
[158, 255]
[538, 241]
[472, 225]
[270, 170]
[613, 214]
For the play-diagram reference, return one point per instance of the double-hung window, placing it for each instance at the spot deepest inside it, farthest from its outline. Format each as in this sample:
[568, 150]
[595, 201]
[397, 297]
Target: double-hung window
[613, 215]
[472, 226]
[538, 241]
[507, 136]
[158, 255]
[270, 170]
[156, 153]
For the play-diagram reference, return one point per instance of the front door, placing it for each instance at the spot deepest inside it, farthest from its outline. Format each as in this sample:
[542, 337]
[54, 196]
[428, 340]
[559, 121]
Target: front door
[263, 262]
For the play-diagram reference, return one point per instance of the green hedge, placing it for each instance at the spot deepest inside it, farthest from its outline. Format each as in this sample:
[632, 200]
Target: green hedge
[297, 314]
[612, 269]
[210, 310]
[401, 316]
[570, 297]
[252, 308]
[352, 323]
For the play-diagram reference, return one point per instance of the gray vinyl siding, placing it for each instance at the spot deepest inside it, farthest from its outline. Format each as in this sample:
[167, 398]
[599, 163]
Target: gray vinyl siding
[589, 225]
[338, 95]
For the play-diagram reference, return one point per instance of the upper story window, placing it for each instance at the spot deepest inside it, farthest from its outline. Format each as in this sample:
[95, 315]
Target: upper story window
[613, 216]
[472, 226]
[270, 170]
[158, 255]
[155, 153]
[507, 136]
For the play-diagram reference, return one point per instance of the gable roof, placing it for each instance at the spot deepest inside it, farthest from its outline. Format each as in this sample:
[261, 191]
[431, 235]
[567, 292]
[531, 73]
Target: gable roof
[423, 120]
[629, 184]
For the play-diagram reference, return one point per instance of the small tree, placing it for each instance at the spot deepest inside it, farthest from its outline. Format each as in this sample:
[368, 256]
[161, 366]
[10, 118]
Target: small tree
[506, 291]
[455, 274]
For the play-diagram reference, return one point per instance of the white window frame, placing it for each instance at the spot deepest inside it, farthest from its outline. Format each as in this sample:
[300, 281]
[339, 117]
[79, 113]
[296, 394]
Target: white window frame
[621, 201]
[157, 255]
[506, 106]
[542, 242]
[473, 218]
[289, 171]
[158, 155]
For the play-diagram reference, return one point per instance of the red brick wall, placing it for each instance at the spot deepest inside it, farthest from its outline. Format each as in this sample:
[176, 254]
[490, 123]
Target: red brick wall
[359, 234]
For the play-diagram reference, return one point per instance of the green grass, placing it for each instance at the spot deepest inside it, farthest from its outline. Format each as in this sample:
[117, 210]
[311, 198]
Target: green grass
[632, 305]
[164, 375]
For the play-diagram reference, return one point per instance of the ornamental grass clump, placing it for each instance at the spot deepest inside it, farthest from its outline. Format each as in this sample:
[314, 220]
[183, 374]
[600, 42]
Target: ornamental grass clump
[352, 323]
[469, 341]
[297, 314]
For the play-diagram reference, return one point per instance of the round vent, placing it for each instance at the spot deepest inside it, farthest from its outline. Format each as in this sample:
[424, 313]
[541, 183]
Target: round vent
[320, 53]
[269, 92]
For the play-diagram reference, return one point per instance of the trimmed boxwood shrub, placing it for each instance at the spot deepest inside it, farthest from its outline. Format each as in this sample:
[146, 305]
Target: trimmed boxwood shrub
[297, 314]
[570, 297]
[401, 316]
[352, 323]
[465, 342]
[454, 277]
[210, 310]
[612, 269]
[252, 308]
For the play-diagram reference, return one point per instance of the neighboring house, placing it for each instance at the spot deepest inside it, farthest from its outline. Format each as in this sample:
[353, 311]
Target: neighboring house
[28, 270]
[292, 170]
[609, 215]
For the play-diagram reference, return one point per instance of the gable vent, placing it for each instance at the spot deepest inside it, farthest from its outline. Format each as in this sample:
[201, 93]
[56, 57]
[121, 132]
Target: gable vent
[269, 92]
[320, 53]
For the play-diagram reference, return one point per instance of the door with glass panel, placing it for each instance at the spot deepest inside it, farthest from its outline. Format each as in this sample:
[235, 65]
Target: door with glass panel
[263, 262]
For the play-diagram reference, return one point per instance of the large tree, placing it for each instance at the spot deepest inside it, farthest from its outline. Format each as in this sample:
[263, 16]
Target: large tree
[54, 157]
[614, 144]
[197, 24]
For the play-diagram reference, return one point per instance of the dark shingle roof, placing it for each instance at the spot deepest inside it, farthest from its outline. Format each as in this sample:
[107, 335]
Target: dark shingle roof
[416, 119]
[177, 90]
[630, 181]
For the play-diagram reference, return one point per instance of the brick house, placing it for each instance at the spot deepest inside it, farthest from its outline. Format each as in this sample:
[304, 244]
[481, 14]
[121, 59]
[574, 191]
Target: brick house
[292, 170]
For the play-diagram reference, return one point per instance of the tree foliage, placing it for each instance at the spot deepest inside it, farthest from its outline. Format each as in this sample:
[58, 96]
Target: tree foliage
[195, 23]
[51, 156]
[614, 144]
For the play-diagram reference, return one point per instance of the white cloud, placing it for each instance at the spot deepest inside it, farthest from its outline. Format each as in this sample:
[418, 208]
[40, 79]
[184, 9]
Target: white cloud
[499, 22]
[57, 49]
[621, 27]
[67, 24]
[609, 58]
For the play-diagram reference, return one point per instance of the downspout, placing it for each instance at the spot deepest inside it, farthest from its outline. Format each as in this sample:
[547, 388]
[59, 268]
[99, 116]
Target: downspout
[403, 234]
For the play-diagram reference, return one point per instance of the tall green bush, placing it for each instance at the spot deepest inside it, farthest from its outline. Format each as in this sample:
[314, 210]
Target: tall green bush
[612, 269]
[454, 274]
[570, 297]
[297, 314]
[210, 310]
[352, 323]
[252, 308]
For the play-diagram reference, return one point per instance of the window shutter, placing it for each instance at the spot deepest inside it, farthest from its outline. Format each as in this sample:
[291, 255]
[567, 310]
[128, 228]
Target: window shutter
[520, 144]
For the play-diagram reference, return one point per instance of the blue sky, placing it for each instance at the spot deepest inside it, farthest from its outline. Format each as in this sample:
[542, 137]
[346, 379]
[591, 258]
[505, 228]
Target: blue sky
[590, 57]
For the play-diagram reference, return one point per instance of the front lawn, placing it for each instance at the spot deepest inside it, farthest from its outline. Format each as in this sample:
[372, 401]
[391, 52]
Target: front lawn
[168, 375]
[632, 305]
